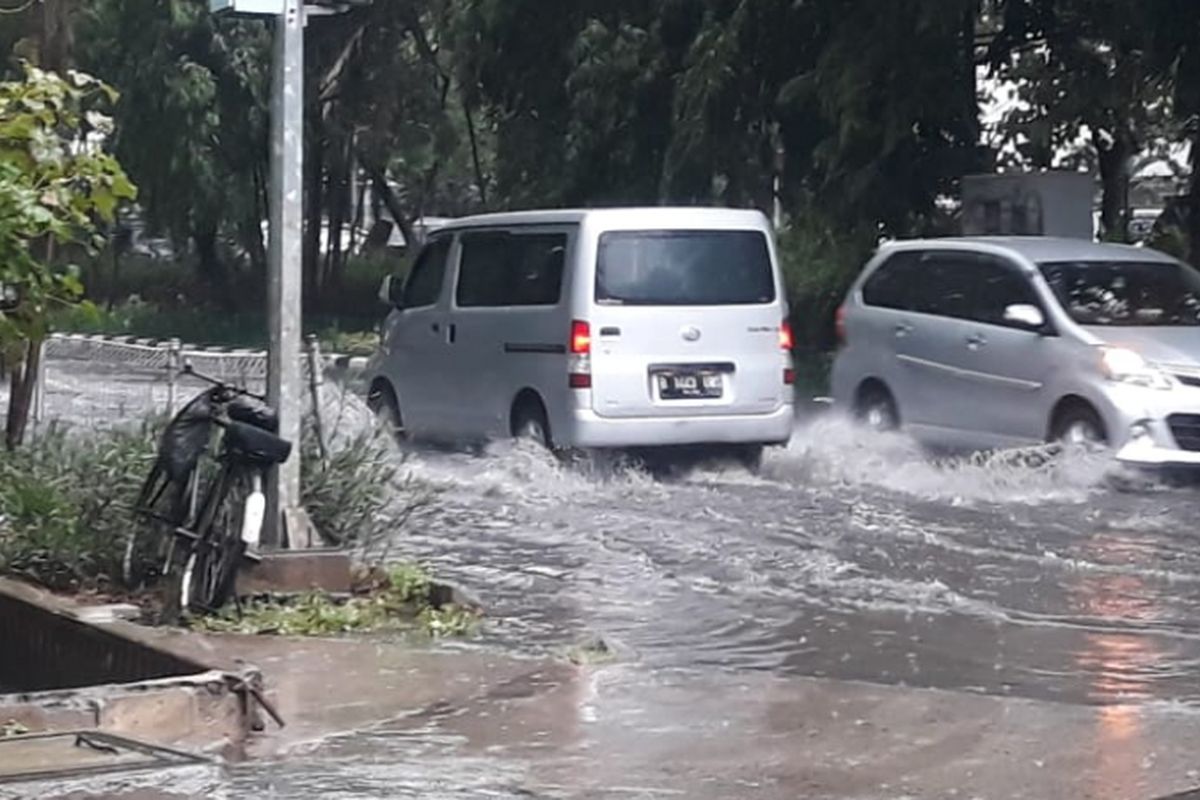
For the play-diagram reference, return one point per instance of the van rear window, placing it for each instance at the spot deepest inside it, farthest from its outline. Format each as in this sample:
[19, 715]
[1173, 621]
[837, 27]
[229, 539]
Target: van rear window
[684, 268]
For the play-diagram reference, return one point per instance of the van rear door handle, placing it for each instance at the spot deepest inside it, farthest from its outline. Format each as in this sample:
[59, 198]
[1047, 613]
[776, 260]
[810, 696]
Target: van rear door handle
[976, 341]
[903, 329]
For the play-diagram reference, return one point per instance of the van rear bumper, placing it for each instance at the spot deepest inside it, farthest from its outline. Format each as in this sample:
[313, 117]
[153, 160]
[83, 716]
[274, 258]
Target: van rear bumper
[587, 429]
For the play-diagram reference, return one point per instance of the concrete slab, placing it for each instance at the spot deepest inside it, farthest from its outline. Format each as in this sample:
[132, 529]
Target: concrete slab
[63, 672]
[292, 571]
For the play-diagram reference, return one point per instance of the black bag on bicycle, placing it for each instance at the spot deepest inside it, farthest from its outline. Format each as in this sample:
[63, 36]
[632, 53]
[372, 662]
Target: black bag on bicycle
[186, 437]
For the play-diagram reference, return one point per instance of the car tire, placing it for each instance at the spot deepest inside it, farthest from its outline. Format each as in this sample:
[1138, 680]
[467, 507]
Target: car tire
[529, 422]
[749, 457]
[1079, 424]
[382, 402]
[876, 409]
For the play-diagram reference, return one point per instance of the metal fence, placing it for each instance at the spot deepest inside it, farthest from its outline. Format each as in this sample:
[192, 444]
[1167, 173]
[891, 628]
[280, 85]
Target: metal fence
[101, 380]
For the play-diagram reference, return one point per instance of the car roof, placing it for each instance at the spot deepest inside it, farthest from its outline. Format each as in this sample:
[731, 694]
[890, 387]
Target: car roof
[1038, 249]
[635, 217]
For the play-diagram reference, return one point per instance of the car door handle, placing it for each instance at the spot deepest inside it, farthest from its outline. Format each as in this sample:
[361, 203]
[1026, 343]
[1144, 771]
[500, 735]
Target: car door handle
[976, 341]
[903, 329]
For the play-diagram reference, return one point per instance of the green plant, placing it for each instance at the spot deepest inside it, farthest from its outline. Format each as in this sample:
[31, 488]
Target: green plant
[54, 195]
[403, 601]
[65, 504]
[819, 263]
[356, 494]
[409, 583]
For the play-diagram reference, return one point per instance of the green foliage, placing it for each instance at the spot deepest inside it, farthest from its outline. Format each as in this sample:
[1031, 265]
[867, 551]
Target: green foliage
[819, 263]
[202, 327]
[192, 122]
[357, 495]
[404, 602]
[56, 187]
[65, 505]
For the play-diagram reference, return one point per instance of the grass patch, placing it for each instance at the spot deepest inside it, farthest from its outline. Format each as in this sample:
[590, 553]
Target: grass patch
[401, 600]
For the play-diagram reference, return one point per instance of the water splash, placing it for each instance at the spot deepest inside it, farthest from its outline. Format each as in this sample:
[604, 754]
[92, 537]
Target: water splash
[834, 451]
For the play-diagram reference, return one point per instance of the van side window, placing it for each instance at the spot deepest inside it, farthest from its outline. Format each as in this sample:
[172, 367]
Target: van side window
[537, 261]
[892, 284]
[511, 269]
[482, 276]
[425, 281]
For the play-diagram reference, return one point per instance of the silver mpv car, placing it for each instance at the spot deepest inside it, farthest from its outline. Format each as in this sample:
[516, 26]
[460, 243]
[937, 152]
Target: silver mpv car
[1005, 341]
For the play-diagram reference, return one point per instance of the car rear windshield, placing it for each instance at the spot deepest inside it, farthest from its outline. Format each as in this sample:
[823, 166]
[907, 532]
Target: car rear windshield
[1132, 293]
[684, 268]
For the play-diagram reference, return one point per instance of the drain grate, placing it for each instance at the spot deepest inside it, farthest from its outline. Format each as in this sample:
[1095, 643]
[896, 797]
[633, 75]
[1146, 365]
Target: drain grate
[54, 756]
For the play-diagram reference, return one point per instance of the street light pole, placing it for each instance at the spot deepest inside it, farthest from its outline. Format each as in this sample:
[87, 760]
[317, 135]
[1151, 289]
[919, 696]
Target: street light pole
[284, 380]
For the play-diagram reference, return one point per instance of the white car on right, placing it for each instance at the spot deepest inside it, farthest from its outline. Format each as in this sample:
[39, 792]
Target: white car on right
[977, 343]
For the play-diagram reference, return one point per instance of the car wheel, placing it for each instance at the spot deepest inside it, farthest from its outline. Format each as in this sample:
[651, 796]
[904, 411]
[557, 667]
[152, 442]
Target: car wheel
[750, 457]
[1080, 425]
[382, 403]
[877, 410]
[530, 423]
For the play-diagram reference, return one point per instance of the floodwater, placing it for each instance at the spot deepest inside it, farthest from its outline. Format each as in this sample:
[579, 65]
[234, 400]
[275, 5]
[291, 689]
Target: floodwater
[857, 620]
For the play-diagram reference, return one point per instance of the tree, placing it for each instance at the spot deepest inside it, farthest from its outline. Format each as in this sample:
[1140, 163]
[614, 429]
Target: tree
[192, 122]
[1092, 91]
[57, 187]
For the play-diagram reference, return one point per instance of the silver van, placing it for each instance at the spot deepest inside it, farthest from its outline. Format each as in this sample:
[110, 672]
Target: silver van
[614, 328]
[995, 342]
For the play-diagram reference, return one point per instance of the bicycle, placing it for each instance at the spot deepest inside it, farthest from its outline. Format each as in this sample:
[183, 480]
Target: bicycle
[212, 537]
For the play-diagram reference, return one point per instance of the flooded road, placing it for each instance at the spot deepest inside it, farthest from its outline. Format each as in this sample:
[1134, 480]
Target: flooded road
[857, 621]
[1031, 575]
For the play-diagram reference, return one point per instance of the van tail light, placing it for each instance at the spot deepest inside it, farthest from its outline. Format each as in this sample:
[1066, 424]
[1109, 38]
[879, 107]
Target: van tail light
[580, 359]
[839, 324]
[786, 340]
[581, 338]
[789, 377]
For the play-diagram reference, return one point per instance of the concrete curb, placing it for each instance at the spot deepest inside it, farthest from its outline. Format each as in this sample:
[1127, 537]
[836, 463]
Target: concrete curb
[66, 673]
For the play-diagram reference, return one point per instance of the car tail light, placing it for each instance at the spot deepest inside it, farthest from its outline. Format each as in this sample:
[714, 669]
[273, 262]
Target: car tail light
[580, 360]
[839, 324]
[786, 341]
[581, 338]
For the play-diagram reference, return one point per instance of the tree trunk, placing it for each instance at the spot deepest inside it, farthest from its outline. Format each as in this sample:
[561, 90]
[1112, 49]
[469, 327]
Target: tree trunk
[1114, 160]
[57, 39]
[1193, 204]
[23, 380]
[391, 202]
[208, 262]
[480, 180]
[314, 165]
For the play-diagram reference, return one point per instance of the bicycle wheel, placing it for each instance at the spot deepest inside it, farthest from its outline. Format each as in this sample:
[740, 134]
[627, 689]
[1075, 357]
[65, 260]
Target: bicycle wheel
[210, 571]
[162, 506]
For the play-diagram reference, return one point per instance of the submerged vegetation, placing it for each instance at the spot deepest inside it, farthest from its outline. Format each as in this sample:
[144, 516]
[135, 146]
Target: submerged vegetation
[404, 599]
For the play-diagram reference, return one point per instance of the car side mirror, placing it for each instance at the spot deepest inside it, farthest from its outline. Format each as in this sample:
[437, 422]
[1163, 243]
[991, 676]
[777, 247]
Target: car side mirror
[391, 292]
[1024, 315]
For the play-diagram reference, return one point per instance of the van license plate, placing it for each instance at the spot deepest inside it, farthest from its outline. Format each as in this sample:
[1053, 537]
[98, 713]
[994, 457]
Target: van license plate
[689, 385]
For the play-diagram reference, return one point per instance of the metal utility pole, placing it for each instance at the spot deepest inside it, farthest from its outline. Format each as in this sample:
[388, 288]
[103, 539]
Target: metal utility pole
[285, 388]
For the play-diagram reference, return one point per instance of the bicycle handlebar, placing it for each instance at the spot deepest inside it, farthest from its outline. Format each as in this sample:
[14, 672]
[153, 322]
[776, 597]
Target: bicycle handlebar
[188, 369]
